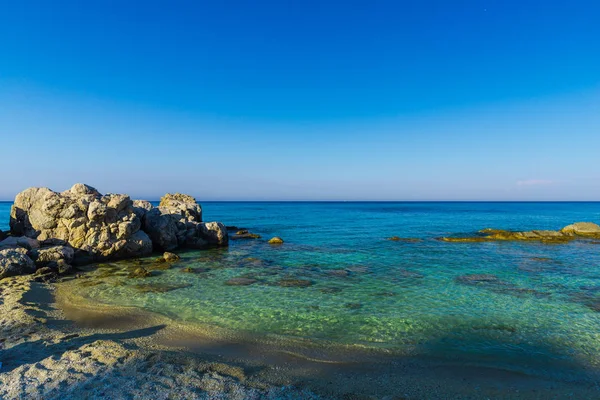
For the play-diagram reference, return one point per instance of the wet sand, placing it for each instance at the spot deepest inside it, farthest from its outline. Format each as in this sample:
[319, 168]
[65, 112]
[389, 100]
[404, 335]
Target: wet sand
[56, 344]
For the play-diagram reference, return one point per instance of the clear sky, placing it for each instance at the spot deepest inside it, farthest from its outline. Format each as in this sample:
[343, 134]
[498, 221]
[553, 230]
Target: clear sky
[303, 100]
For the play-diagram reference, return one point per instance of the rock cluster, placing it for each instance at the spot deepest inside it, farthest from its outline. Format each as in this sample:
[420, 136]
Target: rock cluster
[80, 225]
[579, 230]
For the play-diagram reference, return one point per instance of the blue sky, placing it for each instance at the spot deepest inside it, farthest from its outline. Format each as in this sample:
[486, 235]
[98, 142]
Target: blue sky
[305, 100]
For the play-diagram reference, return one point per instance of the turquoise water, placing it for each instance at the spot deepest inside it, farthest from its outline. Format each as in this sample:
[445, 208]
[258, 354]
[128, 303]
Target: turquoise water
[537, 310]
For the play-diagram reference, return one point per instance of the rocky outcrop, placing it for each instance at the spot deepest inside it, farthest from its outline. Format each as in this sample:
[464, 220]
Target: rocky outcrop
[588, 229]
[14, 261]
[81, 225]
[53, 254]
[177, 222]
[98, 226]
[579, 230]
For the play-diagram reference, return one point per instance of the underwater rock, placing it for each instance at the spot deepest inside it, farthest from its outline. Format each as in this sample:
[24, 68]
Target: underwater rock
[242, 232]
[159, 287]
[405, 273]
[15, 262]
[464, 239]
[293, 282]
[170, 257]
[400, 239]
[330, 290]
[140, 273]
[340, 273]
[187, 269]
[477, 278]
[276, 240]
[240, 281]
[246, 236]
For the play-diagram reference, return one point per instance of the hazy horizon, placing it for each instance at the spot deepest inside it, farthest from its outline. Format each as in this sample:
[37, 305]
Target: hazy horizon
[486, 101]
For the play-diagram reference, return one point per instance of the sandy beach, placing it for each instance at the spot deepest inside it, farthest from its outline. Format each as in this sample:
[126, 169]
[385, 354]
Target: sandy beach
[56, 345]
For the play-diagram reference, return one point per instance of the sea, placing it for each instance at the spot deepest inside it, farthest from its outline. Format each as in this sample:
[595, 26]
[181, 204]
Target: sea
[526, 307]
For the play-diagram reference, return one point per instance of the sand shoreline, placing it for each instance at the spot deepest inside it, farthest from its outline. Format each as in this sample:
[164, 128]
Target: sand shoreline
[56, 344]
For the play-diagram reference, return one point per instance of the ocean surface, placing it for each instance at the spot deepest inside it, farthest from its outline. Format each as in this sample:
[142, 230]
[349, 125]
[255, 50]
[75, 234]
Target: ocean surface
[537, 310]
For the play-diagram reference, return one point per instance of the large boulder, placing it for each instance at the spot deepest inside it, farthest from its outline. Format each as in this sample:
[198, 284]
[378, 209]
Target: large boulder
[19, 241]
[15, 262]
[97, 226]
[177, 222]
[582, 229]
[44, 256]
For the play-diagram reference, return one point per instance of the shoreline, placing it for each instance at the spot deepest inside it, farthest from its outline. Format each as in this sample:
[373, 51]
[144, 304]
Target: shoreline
[55, 341]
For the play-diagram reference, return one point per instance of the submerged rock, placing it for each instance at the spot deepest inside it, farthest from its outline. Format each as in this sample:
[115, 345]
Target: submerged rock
[340, 273]
[159, 287]
[240, 281]
[276, 240]
[170, 257]
[400, 239]
[477, 278]
[140, 273]
[15, 262]
[293, 282]
[246, 236]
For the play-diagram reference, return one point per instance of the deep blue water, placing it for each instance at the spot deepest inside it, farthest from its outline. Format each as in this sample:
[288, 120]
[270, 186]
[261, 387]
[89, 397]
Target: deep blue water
[541, 311]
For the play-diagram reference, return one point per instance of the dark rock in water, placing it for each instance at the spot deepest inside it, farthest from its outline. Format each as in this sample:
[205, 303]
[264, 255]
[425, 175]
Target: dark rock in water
[188, 270]
[159, 287]
[384, 294]
[465, 239]
[2, 235]
[242, 232]
[276, 240]
[240, 281]
[405, 273]
[353, 306]
[477, 278]
[170, 257]
[232, 228]
[340, 273]
[292, 282]
[246, 236]
[359, 269]
[406, 240]
[140, 273]
[15, 262]
[158, 266]
[330, 290]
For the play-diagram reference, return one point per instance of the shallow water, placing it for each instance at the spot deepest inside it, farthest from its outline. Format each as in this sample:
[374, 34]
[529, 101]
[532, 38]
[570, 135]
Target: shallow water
[538, 311]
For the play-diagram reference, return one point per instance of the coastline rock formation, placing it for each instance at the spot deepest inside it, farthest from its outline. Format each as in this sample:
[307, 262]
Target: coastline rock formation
[101, 226]
[579, 230]
[177, 222]
[80, 225]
